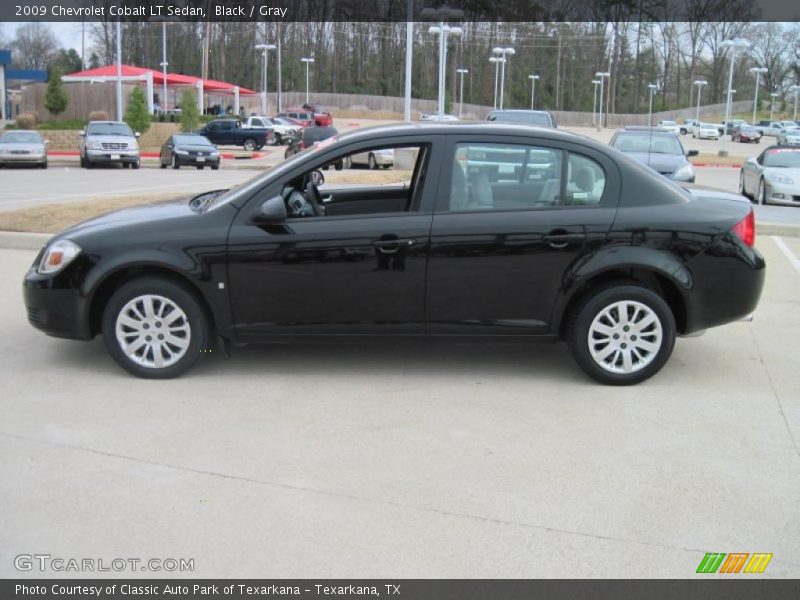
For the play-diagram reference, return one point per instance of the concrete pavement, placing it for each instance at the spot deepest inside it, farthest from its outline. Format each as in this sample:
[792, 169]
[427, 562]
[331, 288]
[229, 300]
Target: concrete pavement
[409, 460]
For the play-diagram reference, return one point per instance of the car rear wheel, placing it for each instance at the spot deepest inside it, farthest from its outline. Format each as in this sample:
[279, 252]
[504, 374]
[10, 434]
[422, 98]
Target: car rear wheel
[250, 144]
[154, 328]
[174, 162]
[622, 333]
[742, 188]
[373, 164]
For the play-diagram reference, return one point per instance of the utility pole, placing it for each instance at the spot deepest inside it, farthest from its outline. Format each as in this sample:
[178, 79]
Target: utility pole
[409, 48]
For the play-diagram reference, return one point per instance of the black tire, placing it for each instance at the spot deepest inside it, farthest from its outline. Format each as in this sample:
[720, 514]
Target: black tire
[742, 188]
[278, 139]
[683, 131]
[180, 296]
[136, 165]
[339, 165]
[762, 192]
[215, 167]
[371, 162]
[174, 162]
[200, 167]
[249, 144]
[43, 165]
[89, 164]
[598, 301]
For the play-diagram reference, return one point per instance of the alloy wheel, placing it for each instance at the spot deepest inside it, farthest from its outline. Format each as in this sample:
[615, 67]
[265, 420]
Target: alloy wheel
[625, 337]
[153, 331]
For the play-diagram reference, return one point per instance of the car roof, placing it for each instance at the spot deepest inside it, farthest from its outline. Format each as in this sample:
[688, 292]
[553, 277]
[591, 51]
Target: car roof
[640, 128]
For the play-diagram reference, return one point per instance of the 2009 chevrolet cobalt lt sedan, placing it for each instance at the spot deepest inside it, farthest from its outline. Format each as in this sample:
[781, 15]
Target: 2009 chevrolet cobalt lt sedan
[488, 232]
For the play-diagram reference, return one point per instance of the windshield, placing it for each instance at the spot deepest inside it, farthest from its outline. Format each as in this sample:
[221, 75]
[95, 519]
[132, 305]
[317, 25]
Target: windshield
[21, 137]
[526, 118]
[646, 142]
[788, 158]
[109, 129]
[192, 140]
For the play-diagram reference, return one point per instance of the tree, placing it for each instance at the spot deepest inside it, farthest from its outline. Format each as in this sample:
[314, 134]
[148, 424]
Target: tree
[190, 116]
[66, 61]
[136, 114]
[33, 45]
[55, 98]
[94, 61]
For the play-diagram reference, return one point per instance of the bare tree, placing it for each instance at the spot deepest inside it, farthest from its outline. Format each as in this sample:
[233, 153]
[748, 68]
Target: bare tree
[33, 45]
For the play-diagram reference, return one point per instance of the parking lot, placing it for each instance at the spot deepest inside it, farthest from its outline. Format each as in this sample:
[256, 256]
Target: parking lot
[409, 460]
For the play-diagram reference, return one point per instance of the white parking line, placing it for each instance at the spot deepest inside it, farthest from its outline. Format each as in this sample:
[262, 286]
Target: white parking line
[787, 252]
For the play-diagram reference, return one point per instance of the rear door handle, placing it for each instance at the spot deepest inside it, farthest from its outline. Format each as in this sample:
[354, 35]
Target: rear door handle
[561, 240]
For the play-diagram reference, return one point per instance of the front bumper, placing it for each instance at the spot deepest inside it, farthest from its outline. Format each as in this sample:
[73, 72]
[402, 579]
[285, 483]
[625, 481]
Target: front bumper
[23, 159]
[782, 193]
[113, 156]
[197, 160]
[55, 308]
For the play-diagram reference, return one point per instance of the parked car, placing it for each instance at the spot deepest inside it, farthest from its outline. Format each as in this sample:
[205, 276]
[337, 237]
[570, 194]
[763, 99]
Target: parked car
[109, 142]
[689, 126]
[229, 132]
[657, 148]
[382, 157]
[705, 131]
[503, 233]
[745, 134]
[305, 117]
[727, 128]
[772, 177]
[322, 115]
[310, 137]
[538, 118]
[670, 126]
[435, 117]
[284, 129]
[789, 136]
[188, 149]
[772, 128]
[23, 147]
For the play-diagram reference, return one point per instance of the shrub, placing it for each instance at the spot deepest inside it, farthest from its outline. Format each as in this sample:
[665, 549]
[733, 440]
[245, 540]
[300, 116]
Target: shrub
[56, 98]
[136, 114]
[190, 116]
[98, 115]
[26, 120]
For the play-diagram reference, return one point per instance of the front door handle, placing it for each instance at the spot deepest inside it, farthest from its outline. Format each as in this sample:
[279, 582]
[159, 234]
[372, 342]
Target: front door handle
[390, 246]
[561, 240]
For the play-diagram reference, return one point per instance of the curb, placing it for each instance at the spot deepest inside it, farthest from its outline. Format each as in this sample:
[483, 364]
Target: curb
[14, 240]
[717, 165]
[225, 155]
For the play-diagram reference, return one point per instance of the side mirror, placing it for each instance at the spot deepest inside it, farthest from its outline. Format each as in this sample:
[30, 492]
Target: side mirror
[46, 142]
[272, 211]
[136, 134]
[692, 153]
[82, 133]
[317, 178]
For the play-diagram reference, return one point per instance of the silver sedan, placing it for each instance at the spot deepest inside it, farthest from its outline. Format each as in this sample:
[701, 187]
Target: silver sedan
[23, 147]
[773, 177]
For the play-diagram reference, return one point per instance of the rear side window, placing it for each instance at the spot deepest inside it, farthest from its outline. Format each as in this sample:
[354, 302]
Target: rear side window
[586, 182]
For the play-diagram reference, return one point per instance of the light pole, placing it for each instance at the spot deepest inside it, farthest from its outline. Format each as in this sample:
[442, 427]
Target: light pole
[602, 75]
[595, 83]
[441, 14]
[533, 79]
[773, 95]
[503, 52]
[119, 71]
[264, 48]
[496, 62]
[308, 61]
[734, 45]
[757, 72]
[795, 89]
[653, 89]
[699, 83]
[164, 64]
[443, 29]
[461, 73]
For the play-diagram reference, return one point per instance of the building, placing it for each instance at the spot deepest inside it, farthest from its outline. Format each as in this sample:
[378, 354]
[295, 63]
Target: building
[7, 76]
[5, 60]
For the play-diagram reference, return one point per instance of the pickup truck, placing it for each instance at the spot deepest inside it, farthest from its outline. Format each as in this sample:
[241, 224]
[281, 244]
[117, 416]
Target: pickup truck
[772, 128]
[229, 132]
[283, 131]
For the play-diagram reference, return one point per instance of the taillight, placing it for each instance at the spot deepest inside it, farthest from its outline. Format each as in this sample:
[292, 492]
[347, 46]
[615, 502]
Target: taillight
[301, 145]
[746, 229]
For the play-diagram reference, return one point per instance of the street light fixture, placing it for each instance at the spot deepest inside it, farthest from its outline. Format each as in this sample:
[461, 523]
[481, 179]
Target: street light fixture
[757, 71]
[602, 75]
[443, 30]
[595, 83]
[734, 45]
[264, 48]
[308, 61]
[503, 52]
[796, 90]
[461, 73]
[699, 83]
[533, 79]
[496, 62]
[653, 89]
[773, 95]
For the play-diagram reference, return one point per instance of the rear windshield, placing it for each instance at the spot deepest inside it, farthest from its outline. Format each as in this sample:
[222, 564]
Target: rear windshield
[783, 157]
[21, 137]
[645, 142]
[539, 119]
[317, 134]
[109, 129]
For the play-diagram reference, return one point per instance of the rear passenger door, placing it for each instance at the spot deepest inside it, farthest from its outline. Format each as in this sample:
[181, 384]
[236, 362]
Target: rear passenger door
[513, 217]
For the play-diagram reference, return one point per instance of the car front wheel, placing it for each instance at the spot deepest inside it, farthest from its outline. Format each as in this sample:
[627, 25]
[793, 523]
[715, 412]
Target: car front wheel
[762, 192]
[154, 328]
[622, 334]
[742, 188]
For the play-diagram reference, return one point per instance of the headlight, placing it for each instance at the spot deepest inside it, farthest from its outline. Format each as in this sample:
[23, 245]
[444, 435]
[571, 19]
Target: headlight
[134, 145]
[778, 178]
[95, 146]
[213, 154]
[57, 256]
[685, 172]
[180, 151]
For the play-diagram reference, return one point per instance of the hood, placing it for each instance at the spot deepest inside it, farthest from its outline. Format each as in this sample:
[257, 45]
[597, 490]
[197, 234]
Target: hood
[25, 147]
[112, 139]
[196, 148]
[152, 214]
[663, 163]
[794, 173]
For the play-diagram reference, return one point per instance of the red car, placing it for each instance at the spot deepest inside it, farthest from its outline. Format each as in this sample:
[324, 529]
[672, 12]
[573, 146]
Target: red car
[303, 116]
[322, 116]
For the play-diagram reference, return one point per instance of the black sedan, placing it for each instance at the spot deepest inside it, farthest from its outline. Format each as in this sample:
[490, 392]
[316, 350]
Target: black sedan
[189, 149]
[501, 232]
